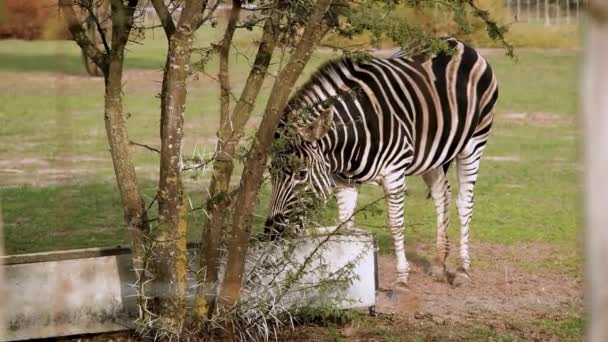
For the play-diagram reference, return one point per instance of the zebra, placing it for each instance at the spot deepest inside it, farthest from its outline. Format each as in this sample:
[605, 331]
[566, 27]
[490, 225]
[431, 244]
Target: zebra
[378, 121]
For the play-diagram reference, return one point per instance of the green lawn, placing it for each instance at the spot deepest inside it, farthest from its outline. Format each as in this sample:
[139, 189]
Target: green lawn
[56, 178]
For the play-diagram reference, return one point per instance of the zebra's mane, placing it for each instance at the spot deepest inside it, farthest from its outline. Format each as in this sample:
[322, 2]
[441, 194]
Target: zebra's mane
[323, 71]
[337, 65]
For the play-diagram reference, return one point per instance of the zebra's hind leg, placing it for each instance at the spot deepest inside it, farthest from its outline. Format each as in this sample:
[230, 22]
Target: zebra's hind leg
[394, 186]
[346, 197]
[467, 165]
[439, 186]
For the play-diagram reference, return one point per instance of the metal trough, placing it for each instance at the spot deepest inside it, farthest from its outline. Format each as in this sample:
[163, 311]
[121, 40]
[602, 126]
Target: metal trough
[89, 290]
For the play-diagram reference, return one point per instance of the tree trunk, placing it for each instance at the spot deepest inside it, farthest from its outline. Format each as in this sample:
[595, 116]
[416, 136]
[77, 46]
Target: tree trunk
[169, 248]
[115, 123]
[256, 161]
[230, 132]
[220, 182]
[116, 130]
[595, 109]
[124, 170]
[169, 241]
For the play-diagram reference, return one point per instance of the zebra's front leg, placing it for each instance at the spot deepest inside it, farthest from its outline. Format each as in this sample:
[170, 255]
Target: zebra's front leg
[346, 197]
[394, 189]
[437, 181]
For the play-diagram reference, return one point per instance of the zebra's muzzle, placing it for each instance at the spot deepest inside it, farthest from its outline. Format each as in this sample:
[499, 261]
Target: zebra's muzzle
[275, 227]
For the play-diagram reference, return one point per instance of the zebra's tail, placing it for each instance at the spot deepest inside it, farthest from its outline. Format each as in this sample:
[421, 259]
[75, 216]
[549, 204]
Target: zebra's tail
[445, 166]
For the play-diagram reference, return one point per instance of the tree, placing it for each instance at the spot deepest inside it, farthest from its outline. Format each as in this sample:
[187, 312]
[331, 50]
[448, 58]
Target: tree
[110, 60]
[298, 27]
[168, 243]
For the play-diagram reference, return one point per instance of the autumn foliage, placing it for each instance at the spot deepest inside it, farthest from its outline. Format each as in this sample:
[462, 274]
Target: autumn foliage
[31, 19]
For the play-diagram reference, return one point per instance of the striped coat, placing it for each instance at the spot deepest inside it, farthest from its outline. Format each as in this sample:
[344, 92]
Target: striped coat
[381, 120]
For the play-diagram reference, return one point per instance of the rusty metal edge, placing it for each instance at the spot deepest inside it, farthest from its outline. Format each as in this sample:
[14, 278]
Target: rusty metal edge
[95, 252]
[18, 259]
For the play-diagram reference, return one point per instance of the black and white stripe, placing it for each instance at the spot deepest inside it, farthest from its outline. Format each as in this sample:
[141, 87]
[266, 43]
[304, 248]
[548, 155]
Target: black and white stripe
[390, 118]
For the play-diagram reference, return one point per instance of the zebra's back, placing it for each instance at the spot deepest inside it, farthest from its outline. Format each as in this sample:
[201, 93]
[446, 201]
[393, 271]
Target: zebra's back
[402, 114]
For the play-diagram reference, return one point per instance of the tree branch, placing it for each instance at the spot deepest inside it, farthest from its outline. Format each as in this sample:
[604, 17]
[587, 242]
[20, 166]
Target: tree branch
[164, 16]
[147, 147]
[256, 161]
[229, 134]
[81, 38]
[94, 15]
[224, 73]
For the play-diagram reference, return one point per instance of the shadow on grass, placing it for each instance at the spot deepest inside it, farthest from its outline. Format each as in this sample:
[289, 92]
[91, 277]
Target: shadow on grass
[60, 217]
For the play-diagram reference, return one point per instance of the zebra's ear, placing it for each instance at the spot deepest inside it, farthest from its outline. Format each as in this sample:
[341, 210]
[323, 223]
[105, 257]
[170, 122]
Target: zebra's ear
[319, 127]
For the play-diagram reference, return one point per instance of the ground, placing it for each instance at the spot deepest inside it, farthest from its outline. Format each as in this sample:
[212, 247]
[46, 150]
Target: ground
[506, 301]
[58, 191]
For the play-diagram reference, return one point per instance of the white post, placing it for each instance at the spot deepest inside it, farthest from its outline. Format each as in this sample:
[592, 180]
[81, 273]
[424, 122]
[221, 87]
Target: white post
[567, 11]
[547, 19]
[518, 10]
[558, 12]
[595, 109]
[2, 287]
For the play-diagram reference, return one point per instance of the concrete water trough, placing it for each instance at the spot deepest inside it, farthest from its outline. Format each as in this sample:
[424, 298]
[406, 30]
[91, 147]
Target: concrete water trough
[89, 290]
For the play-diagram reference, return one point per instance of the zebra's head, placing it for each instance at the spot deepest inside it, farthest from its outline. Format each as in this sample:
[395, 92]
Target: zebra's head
[300, 175]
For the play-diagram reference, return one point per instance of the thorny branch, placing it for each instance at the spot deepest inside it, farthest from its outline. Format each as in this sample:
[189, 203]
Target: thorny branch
[150, 148]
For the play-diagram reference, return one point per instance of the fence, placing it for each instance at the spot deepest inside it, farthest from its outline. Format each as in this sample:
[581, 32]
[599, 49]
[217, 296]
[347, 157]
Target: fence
[549, 12]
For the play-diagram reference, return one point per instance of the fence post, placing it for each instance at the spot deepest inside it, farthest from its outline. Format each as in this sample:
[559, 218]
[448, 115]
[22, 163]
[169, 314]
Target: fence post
[595, 120]
[518, 10]
[547, 19]
[2, 287]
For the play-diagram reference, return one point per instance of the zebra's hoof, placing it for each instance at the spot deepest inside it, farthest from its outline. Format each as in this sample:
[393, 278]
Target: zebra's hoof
[461, 278]
[401, 286]
[438, 273]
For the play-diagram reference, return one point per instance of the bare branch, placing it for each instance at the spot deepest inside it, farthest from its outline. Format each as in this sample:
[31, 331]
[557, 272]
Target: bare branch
[256, 161]
[224, 73]
[204, 18]
[94, 16]
[165, 17]
[80, 36]
[131, 142]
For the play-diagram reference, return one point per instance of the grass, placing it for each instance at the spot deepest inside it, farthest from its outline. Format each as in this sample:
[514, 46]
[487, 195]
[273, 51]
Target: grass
[57, 186]
[53, 139]
[566, 327]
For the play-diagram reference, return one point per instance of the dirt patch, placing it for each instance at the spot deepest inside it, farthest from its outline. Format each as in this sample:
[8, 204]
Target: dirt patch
[503, 158]
[538, 119]
[502, 284]
[15, 170]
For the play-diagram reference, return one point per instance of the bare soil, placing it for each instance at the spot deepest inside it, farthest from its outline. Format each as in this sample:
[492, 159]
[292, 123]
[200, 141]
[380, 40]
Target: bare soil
[538, 119]
[501, 285]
